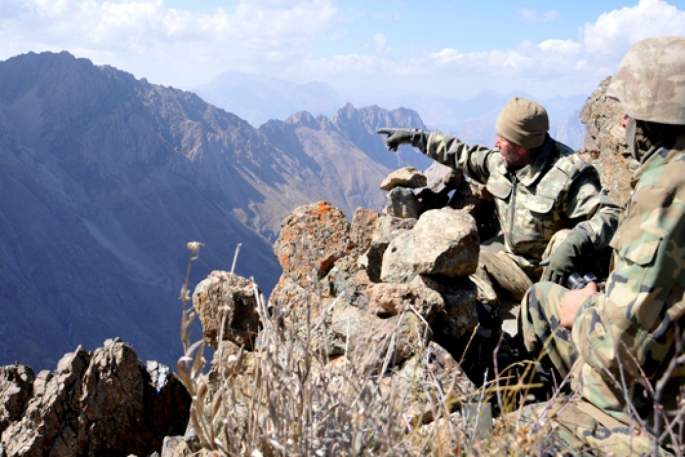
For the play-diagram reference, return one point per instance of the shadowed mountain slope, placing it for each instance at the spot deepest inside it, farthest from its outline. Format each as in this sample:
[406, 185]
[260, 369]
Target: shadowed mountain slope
[105, 178]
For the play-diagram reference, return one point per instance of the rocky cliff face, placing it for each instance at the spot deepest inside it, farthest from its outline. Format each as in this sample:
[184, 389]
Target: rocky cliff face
[101, 403]
[105, 178]
[605, 142]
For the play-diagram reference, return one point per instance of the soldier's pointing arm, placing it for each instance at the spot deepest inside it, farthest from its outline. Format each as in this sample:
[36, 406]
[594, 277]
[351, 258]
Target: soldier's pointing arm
[450, 151]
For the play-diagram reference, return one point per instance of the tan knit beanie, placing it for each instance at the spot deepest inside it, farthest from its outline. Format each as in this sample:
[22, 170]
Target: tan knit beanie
[523, 122]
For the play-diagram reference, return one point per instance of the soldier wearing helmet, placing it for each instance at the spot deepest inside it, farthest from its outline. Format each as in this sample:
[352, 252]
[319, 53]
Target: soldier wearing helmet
[622, 347]
[542, 189]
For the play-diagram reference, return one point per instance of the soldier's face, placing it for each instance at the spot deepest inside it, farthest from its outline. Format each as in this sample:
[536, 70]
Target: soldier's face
[513, 155]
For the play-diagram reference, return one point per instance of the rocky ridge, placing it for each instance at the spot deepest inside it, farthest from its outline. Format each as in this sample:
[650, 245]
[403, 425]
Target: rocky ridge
[103, 402]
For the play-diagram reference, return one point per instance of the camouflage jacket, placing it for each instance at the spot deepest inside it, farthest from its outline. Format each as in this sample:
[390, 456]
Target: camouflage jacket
[629, 333]
[557, 190]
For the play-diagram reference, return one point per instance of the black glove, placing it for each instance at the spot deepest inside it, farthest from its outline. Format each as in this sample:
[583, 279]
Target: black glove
[568, 257]
[396, 137]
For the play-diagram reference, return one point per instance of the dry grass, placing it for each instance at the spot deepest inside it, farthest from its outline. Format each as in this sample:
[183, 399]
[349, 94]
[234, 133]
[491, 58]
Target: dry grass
[288, 398]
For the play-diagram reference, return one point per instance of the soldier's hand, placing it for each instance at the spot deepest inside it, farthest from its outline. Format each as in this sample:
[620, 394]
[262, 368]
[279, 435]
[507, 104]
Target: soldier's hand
[570, 302]
[567, 257]
[396, 137]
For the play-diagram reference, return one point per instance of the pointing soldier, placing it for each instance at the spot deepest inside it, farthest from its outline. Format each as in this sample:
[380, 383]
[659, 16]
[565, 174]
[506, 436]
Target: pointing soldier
[540, 187]
[622, 349]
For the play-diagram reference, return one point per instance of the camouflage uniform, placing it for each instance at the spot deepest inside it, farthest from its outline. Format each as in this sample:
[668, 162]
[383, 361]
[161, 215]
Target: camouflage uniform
[622, 350]
[629, 333]
[558, 190]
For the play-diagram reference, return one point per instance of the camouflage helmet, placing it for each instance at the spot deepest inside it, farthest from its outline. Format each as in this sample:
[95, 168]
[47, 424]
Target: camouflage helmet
[650, 82]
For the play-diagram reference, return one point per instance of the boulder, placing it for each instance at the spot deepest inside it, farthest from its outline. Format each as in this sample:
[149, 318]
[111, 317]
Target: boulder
[443, 242]
[293, 302]
[393, 299]
[402, 202]
[460, 315]
[362, 228]
[467, 199]
[351, 289]
[396, 266]
[387, 228]
[231, 299]
[370, 342]
[16, 388]
[442, 178]
[404, 177]
[421, 382]
[313, 237]
[100, 403]
[337, 278]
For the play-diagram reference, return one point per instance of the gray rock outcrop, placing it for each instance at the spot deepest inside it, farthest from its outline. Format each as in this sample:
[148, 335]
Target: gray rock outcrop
[605, 142]
[100, 403]
[402, 202]
[387, 228]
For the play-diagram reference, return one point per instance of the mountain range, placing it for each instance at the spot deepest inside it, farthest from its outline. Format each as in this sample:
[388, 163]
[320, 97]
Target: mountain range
[257, 99]
[105, 178]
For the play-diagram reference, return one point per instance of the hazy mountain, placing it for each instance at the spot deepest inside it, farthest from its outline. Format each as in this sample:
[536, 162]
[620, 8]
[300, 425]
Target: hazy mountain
[105, 178]
[259, 98]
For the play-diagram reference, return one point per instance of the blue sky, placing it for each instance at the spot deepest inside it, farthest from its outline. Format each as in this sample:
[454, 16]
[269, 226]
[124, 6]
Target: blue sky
[367, 49]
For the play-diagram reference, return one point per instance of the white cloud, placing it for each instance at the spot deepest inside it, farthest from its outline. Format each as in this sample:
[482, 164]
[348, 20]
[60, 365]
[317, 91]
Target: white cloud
[614, 32]
[184, 49]
[253, 31]
[531, 16]
[551, 15]
[551, 66]
[381, 43]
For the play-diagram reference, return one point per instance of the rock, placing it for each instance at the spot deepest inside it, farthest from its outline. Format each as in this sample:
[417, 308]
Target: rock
[312, 239]
[428, 200]
[460, 316]
[605, 142]
[466, 198]
[16, 388]
[168, 407]
[352, 289]
[370, 341]
[362, 228]
[100, 403]
[221, 295]
[175, 446]
[396, 266]
[443, 242]
[393, 299]
[485, 294]
[336, 280]
[404, 177]
[402, 202]
[430, 373]
[293, 301]
[475, 199]
[387, 228]
[442, 178]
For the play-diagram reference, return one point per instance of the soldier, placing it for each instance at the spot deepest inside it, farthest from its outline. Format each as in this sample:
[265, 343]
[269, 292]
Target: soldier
[540, 187]
[621, 349]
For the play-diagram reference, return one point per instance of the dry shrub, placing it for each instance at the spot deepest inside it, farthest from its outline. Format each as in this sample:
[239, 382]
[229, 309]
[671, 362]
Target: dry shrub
[289, 398]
